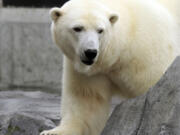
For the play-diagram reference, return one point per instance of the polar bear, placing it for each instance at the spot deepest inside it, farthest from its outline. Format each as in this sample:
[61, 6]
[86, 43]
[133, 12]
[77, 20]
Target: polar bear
[111, 47]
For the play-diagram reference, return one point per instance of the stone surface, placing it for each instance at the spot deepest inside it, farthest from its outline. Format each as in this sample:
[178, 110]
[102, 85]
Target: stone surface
[28, 57]
[156, 113]
[28, 113]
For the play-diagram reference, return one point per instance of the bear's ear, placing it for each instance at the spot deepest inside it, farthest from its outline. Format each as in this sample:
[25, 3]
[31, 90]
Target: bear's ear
[55, 13]
[113, 18]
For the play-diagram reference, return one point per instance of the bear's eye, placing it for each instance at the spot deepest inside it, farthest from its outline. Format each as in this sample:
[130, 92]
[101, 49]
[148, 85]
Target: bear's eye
[100, 31]
[78, 29]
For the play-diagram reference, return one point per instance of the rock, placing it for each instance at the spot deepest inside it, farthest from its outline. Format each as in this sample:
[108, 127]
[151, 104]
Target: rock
[28, 113]
[155, 113]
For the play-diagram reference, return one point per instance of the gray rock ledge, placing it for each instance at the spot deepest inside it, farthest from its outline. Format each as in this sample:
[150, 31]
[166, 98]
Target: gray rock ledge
[156, 113]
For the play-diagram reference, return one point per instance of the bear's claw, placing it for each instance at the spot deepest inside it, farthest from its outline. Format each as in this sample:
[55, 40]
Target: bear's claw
[47, 133]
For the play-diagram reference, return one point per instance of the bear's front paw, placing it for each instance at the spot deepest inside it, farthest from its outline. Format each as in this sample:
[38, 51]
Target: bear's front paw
[54, 131]
[61, 131]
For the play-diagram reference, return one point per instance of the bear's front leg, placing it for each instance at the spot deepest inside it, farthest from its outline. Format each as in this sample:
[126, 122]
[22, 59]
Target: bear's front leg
[84, 105]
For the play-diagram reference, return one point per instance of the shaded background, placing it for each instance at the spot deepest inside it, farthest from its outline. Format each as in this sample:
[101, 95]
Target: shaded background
[29, 60]
[33, 3]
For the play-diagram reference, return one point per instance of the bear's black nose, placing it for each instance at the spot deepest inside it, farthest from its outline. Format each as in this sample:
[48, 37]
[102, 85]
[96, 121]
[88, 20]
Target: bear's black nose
[90, 54]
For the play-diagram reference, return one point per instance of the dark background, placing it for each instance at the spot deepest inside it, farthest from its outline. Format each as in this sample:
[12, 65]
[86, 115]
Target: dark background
[33, 3]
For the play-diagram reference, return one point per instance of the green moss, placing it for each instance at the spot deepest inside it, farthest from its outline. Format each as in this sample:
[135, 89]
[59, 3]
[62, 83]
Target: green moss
[12, 129]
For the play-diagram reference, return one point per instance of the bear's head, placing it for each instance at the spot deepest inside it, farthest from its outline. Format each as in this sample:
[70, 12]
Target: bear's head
[81, 29]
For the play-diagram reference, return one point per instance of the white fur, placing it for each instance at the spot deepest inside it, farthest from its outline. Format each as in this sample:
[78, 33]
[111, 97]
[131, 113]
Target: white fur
[139, 42]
